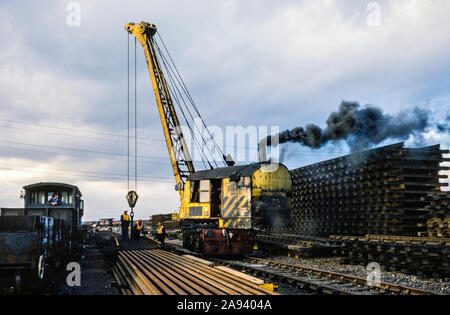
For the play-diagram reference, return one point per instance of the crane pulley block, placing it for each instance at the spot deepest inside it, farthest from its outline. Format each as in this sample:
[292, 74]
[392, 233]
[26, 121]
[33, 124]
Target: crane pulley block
[132, 198]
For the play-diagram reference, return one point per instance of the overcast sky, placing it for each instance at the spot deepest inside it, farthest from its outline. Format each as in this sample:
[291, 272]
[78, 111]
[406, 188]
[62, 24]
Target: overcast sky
[280, 63]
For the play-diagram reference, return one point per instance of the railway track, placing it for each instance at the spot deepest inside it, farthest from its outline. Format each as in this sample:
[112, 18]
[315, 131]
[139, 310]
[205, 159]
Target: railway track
[317, 280]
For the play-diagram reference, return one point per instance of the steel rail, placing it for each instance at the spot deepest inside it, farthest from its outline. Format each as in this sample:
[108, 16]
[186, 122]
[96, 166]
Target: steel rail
[207, 282]
[154, 277]
[138, 277]
[157, 272]
[207, 277]
[175, 277]
[200, 284]
[129, 281]
[226, 277]
[121, 282]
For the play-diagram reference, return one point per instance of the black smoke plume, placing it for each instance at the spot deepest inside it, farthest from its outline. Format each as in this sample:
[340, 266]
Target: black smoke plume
[360, 127]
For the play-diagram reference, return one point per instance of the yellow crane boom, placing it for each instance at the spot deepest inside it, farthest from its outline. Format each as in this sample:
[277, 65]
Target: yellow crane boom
[178, 151]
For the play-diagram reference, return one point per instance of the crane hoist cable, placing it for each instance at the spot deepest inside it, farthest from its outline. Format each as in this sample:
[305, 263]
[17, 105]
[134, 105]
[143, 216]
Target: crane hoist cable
[196, 143]
[128, 113]
[135, 116]
[174, 91]
[132, 195]
[188, 94]
[173, 72]
[179, 88]
[177, 95]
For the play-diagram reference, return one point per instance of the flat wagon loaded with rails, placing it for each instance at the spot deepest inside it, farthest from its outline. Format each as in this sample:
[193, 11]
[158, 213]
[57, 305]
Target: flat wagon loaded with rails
[38, 238]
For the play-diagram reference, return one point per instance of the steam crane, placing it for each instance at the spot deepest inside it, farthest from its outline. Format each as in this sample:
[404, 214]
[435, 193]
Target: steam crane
[179, 155]
[221, 207]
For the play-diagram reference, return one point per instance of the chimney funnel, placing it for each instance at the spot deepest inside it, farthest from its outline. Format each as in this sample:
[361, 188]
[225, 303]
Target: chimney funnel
[262, 149]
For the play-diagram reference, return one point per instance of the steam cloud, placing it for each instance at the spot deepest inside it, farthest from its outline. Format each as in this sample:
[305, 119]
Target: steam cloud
[359, 126]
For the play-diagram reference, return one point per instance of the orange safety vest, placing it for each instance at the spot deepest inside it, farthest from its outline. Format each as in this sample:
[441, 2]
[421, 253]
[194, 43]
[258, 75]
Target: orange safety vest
[125, 217]
[139, 227]
[160, 229]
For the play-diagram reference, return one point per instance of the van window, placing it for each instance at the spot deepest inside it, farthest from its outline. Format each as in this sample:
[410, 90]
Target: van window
[49, 196]
[41, 199]
[33, 198]
[65, 197]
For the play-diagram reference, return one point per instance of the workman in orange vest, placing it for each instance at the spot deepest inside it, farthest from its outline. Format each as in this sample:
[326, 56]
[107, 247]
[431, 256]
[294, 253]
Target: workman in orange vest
[137, 229]
[125, 221]
[161, 233]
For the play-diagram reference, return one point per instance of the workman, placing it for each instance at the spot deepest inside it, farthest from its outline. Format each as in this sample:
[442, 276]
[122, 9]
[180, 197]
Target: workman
[125, 221]
[137, 229]
[161, 233]
[55, 200]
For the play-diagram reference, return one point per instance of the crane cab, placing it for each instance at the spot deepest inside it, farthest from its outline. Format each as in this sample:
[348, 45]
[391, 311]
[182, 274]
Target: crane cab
[234, 201]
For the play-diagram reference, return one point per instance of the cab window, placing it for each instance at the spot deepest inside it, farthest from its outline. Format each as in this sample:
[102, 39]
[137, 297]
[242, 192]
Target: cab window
[244, 182]
[195, 191]
[204, 191]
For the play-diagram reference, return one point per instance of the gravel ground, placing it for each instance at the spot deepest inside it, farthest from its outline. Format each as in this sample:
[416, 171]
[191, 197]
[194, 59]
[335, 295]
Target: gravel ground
[334, 264]
[94, 278]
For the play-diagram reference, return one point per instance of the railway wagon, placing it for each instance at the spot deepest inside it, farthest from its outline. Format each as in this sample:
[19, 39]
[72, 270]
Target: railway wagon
[30, 246]
[69, 208]
[43, 234]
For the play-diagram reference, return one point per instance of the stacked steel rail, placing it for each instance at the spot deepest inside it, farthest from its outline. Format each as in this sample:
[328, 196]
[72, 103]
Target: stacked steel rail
[389, 190]
[414, 255]
[439, 209]
[437, 227]
[158, 272]
[170, 221]
[295, 245]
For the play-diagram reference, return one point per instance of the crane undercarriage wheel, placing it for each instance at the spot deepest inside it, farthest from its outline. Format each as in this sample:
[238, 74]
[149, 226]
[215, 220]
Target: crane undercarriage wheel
[192, 241]
[18, 282]
[41, 268]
